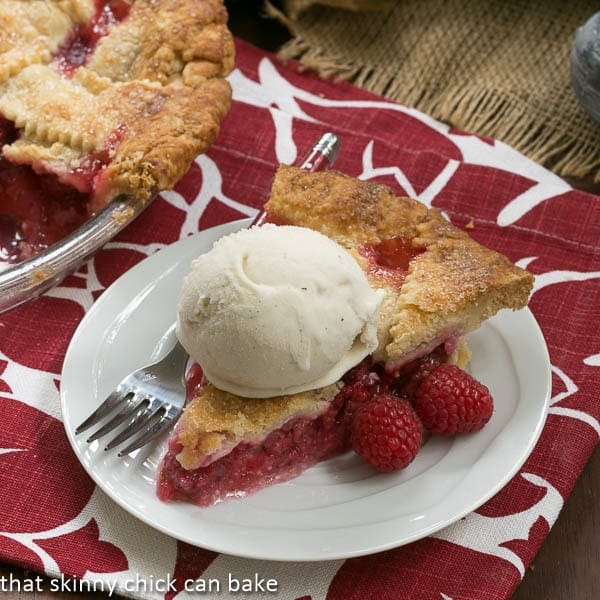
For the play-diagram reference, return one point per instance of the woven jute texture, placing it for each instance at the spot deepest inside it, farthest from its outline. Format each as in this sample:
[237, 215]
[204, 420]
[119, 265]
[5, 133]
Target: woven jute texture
[496, 68]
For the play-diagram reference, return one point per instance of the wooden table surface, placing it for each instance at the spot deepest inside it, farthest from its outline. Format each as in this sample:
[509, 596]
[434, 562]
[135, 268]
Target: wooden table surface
[567, 566]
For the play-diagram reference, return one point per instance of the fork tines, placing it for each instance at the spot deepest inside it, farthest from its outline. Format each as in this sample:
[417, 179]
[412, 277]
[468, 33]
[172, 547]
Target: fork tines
[144, 404]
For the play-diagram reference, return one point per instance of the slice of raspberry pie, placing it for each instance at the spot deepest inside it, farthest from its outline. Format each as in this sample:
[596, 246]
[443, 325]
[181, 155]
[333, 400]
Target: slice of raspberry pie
[438, 285]
[101, 99]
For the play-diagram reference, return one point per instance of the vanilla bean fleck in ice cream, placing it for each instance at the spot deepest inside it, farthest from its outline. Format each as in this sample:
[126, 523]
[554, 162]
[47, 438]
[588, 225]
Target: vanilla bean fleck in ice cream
[276, 310]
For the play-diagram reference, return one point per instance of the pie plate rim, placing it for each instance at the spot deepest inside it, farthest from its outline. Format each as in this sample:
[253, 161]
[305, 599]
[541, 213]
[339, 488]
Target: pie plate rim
[30, 278]
[338, 509]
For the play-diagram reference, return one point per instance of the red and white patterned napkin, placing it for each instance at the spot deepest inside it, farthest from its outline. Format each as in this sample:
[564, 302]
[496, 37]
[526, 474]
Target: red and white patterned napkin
[54, 520]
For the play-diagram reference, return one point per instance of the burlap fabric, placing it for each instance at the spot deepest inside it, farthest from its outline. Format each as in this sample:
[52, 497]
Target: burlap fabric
[497, 68]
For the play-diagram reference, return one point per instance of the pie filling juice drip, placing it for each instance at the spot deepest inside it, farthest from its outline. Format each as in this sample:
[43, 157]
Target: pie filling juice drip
[81, 43]
[194, 380]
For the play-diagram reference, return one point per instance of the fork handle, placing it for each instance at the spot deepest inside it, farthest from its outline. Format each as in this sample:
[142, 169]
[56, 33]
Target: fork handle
[322, 154]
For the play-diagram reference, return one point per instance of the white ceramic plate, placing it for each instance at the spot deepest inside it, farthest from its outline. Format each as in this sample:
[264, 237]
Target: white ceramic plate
[339, 508]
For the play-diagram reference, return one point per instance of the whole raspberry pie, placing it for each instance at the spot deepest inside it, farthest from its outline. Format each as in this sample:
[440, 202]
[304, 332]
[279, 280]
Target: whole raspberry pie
[101, 99]
[439, 285]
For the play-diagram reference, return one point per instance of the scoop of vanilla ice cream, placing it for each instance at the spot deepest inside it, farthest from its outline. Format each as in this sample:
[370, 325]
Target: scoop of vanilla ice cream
[276, 310]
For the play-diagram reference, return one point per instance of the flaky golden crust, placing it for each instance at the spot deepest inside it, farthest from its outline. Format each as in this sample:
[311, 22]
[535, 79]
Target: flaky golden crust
[31, 30]
[150, 98]
[343, 208]
[182, 42]
[452, 284]
[157, 148]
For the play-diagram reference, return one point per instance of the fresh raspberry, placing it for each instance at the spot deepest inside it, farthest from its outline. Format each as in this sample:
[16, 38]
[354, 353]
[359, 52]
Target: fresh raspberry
[360, 385]
[450, 401]
[386, 432]
[413, 374]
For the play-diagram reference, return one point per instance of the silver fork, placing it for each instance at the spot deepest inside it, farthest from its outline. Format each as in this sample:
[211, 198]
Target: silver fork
[152, 398]
[149, 400]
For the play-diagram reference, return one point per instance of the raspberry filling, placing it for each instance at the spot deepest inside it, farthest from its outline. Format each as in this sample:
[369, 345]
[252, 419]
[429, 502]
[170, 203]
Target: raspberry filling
[81, 43]
[39, 209]
[390, 258]
[294, 447]
[194, 381]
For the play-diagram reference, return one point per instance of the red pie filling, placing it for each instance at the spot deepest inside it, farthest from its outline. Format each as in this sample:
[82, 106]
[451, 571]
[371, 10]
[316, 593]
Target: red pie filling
[291, 449]
[390, 258]
[39, 209]
[75, 51]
